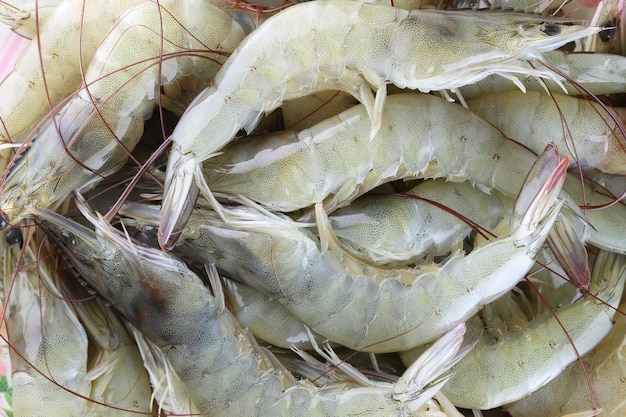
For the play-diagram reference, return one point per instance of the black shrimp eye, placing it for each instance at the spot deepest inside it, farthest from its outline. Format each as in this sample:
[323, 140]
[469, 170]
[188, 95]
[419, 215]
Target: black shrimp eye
[551, 29]
[68, 238]
[607, 34]
[14, 236]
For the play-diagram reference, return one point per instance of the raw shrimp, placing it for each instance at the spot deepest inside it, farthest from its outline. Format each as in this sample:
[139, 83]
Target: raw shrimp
[25, 16]
[394, 310]
[333, 162]
[578, 126]
[569, 392]
[42, 327]
[181, 42]
[400, 228]
[49, 69]
[520, 362]
[349, 46]
[222, 370]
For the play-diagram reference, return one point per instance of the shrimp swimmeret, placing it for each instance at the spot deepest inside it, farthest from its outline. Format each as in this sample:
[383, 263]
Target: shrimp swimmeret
[354, 47]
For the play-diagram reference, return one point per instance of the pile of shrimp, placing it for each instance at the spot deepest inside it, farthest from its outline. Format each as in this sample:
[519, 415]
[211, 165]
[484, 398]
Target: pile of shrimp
[332, 207]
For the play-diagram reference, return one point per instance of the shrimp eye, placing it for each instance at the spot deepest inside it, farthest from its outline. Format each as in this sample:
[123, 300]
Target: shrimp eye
[68, 238]
[607, 34]
[551, 29]
[14, 236]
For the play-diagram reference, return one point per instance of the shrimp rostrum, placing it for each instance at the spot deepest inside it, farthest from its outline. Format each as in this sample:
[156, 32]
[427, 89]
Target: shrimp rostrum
[224, 372]
[349, 46]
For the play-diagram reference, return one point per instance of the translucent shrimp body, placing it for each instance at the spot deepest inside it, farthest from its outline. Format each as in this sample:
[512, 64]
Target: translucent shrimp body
[375, 313]
[349, 46]
[520, 362]
[592, 138]
[568, 393]
[104, 121]
[49, 69]
[41, 326]
[224, 374]
[333, 162]
[401, 228]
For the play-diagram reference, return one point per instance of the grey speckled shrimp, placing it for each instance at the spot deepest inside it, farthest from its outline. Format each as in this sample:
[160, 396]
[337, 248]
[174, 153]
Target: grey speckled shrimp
[224, 372]
[354, 47]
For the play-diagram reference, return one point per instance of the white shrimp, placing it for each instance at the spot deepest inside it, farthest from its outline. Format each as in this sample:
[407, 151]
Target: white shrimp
[350, 46]
[401, 228]
[422, 136]
[104, 121]
[394, 310]
[49, 69]
[569, 392]
[520, 362]
[41, 327]
[592, 138]
[223, 372]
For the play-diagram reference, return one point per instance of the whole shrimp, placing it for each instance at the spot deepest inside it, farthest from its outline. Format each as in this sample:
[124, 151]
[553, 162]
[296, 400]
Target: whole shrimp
[399, 228]
[41, 326]
[349, 46]
[592, 138]
[521, 361]
[92, 135]
[49, 69]
[569, 392]
[333, 162]
[224, 374]
[399, 307]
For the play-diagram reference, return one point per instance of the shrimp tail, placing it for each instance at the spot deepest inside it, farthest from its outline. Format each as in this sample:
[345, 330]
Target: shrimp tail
[424, 375]
[179, 196]
[535, 203]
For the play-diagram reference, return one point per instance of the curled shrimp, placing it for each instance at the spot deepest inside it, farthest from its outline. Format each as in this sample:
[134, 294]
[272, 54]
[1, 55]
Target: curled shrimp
[91, 136]
[49, 69]
[223, 371]
[523, 360]
[350, 46]
[568, 393]
[370, 312]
